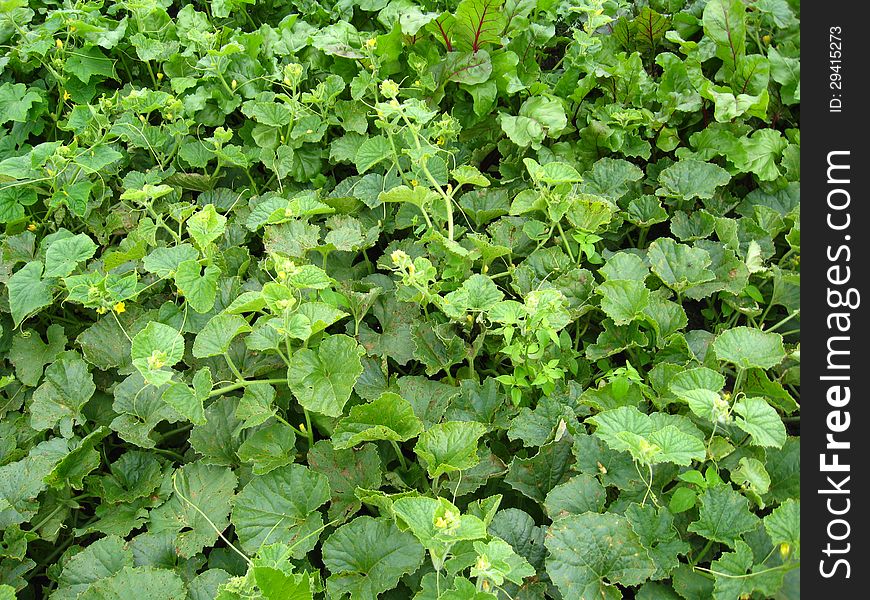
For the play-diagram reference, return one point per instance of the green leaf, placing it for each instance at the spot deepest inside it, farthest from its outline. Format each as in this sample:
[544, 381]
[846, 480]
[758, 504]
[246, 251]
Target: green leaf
[16, 101]
[551, 173]
[689, 179]
[749, 347]
[497, 562]
[580, 494]
[21, 481]
[450, 446]
[79, 462]
[218, 333]
[269, 448]
[479, 23]
[438, 347]
[783, 526]
[437, 524]
[346, 471]
[88, 62]
[275, 584]
[63, 255]
[281, 506]
[206, 226]
[623, 300]
[482, 402]
[256, 405]
[650, 439]
[140, 409]
[198, 509]
[30, 354]
[761, 421]
[188, 402]
[760, 153]
[389, 417]
[657, 533]
[468, 174]
[156, 584]
[536, 476]
[679, 266]
[724, 515]
[199, 288]
[63, 394]
[322, 379]
[478, 293]
[751, 474]
[582, 566]
[163, 262]
[98, 561]
[28, 292]
[216, 439]
[724, 23]
[367, 557]
[696, 379]
[539, 117]
[104, 344]
[134, 475]
[372, 151]
[735, 575]
[155, 350]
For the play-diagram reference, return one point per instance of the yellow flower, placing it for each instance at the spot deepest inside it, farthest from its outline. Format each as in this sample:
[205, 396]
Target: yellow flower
[389, 88]
[483, 563]
[159, 76]
[157, 360]
[119, 307]
[101, 310]
[31, 227]
[59, 43]
[415, 183]
[371, 43]
[302, 427]
[66, 95]
[440, 141]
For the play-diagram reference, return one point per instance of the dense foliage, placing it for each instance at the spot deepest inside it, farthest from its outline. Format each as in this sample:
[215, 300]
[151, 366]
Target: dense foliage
[399, 299]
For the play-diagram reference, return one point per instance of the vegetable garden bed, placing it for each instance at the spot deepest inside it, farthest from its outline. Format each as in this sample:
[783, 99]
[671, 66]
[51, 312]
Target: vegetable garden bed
[400, 299]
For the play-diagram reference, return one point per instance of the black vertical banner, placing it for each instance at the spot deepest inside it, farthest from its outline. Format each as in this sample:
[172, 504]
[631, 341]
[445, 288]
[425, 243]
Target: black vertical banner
[835, 442]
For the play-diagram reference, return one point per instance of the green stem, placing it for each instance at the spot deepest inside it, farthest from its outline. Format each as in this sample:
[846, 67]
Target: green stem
[783, 321]
[399, 454]
[308, 430]
[565, 241]
[738, 381]
[233, 367]
[641, 238]
[56, 510]
[701, 554]
[281, 419]
[240, 384]
[173, 432]
[448, 201]
[169, 453]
